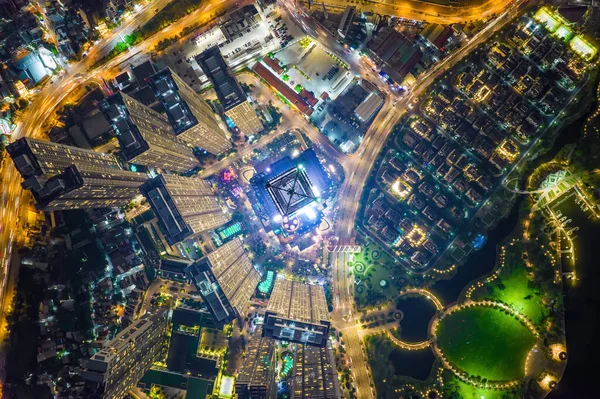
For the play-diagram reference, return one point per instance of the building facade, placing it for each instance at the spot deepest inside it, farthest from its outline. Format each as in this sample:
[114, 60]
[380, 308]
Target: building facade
[191, 118]
[256, 378]
[78, 188]
[118, 366]
[34, 157]
[229, 92]
[226, 280]
[314, 374]
[145, 136]
[297, 312]
[184, 206]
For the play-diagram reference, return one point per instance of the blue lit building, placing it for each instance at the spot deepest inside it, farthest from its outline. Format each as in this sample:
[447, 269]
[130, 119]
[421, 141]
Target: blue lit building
[293, 188]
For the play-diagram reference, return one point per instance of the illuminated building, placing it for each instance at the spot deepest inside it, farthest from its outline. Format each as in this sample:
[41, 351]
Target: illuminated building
[229, 92]
[226, 280]
[78, 188]
[292, 187]
[297, 312]
[120, 364]
[184, 206]
[256, 379]
[44, 158]
[63, 177]
[190, 116]
[314, 374]
[145, 136]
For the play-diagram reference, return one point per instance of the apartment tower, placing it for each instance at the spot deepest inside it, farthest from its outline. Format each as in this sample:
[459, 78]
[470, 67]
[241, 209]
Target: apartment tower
[226, 280]
[121, 363]
[297, 312]
[191, 118]
[256, 379]
[185, 206]
[229, 92]
[145, 136]
[64, 178]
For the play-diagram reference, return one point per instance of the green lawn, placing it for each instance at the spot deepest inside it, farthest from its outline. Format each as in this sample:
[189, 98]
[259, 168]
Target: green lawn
[511, 288]
[485, 342]
[455, 389]
[371, 266]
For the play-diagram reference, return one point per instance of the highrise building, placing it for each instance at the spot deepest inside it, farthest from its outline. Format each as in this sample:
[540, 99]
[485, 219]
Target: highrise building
[78, 188]
[226, 280]
[229, 92]
[119, 365]
[256, 378]
[314, 374]
[34, 157]
[190, 116]
[63, 177]
[297, 312]
[185, 206]
[145, 136]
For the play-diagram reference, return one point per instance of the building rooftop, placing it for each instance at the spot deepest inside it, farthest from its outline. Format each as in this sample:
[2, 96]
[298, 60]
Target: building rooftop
[299, 301]
[291, 190]
[142, 72]
[285, 90]
[289, 185]
[178, 110]
[229, 92]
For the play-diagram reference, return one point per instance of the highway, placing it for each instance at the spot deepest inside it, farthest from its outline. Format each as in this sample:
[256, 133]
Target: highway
[426, 11]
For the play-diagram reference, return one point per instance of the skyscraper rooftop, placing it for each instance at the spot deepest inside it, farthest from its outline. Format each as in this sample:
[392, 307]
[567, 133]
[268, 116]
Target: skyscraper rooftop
[297, 312]
[185, 206]
[226, 280]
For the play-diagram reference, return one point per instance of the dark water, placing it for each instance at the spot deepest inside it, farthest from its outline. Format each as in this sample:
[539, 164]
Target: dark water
[583, 307]
[415, 364]
[418, 312]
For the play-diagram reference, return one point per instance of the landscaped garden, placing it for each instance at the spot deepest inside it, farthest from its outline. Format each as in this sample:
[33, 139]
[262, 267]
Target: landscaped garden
[379, 277]
[485, 342]
[514, 288]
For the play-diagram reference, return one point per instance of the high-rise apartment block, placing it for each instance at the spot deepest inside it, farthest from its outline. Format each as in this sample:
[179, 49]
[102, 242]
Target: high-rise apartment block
[119, 365]
[64, 178]
[185, 206]
[34, 157]
[78, 188]
[226, 280]
[191, 118]
[314, 374]
[229, 92]
[297, 312]
[145, 136]
[256, 379]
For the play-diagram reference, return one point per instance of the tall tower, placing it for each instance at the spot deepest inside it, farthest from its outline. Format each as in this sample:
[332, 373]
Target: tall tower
[190, 116]
[297, 312]
[226, 280]
[256, 378]
[185, 206]
[229, 92]
[38, 158]
[145, 136]
[119, 365]
[63, 178]
[78, 188]
[314, 374]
